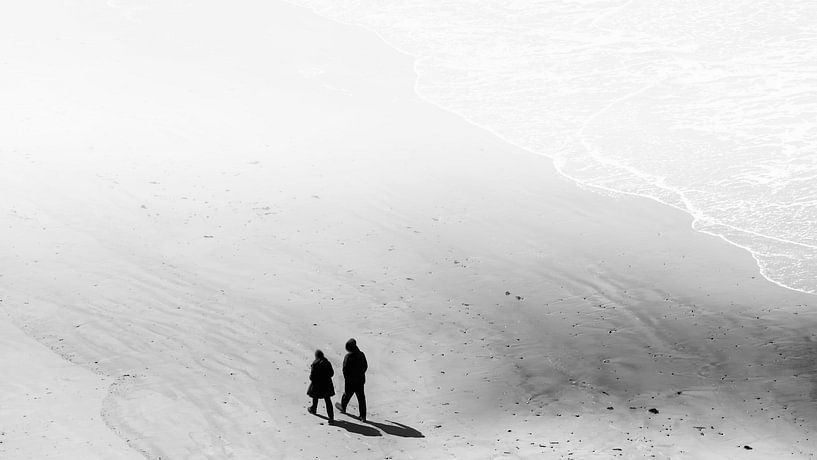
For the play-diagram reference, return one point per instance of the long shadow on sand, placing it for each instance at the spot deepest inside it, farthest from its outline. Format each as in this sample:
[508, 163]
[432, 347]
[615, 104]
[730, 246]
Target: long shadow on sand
[397, 429]
[352, 427]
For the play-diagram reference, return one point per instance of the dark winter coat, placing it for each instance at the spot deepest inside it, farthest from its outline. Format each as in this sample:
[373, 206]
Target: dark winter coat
[320, 378]
[354, 365]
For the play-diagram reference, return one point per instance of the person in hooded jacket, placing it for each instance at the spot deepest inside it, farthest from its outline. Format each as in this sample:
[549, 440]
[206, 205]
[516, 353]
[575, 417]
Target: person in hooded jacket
[354, 376]
[320, 384]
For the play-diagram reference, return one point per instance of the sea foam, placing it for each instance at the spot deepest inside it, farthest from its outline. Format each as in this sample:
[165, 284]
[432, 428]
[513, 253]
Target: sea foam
[710, 107]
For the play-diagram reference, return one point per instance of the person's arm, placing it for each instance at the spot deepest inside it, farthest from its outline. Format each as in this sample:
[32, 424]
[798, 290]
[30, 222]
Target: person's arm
[365, 363]
[345, 365]
[312, 372]
[330, 369]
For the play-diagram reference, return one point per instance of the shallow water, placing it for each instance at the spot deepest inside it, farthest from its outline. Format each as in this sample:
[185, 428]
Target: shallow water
[708, 107]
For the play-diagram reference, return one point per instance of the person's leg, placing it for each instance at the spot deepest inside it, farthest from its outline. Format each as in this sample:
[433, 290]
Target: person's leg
[314, 407]
[361, 401]
[347, 395]
[329, 410]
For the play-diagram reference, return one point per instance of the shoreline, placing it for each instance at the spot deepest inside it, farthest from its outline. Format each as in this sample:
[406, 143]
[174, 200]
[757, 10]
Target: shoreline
[504, 310]
[596, 187]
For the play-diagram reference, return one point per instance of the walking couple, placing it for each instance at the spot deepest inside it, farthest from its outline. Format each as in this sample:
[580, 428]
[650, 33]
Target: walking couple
[354, 378]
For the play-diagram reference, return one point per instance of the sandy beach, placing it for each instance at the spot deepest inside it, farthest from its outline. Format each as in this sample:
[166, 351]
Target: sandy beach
[178, 244]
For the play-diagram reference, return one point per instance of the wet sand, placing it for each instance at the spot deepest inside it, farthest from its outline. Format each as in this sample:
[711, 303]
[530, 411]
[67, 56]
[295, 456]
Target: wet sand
[184, 281]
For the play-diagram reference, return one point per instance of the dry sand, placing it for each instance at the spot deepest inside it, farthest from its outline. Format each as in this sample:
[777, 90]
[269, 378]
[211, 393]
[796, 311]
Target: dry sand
[184, 241]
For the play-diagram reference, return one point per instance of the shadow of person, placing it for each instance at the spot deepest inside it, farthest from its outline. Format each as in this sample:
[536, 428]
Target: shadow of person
[352, 427]
[397, 429]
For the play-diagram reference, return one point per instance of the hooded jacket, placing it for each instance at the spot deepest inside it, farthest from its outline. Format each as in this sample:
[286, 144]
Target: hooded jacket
[320, 377]
[354, 364]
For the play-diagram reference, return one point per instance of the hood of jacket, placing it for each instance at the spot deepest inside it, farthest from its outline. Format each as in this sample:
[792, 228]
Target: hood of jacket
[351, 345]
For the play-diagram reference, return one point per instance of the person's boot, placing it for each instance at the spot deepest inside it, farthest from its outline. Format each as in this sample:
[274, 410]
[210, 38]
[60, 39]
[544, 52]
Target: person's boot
[340, 408]
[312, 409]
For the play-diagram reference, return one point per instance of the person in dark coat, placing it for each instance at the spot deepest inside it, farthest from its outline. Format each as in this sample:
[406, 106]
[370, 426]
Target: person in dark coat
[320, 384]
[354, 376]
